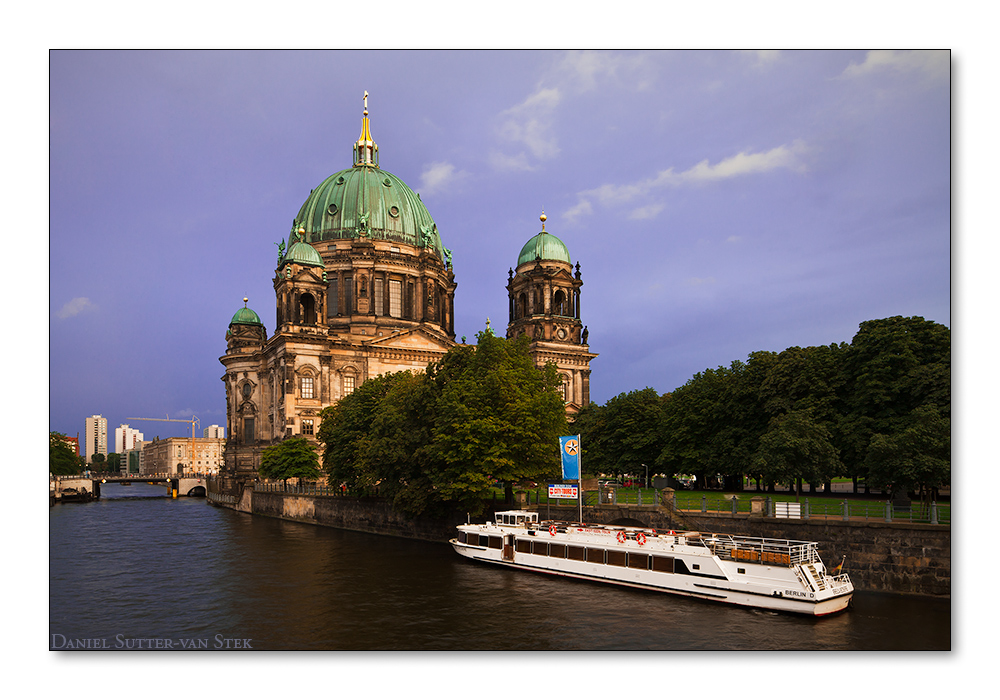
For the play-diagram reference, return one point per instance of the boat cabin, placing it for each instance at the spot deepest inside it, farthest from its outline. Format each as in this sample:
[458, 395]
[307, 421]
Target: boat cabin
[517, 517]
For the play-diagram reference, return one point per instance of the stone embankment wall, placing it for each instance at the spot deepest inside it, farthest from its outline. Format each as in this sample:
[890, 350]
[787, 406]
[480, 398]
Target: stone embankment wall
[360, 514]
[887, 557]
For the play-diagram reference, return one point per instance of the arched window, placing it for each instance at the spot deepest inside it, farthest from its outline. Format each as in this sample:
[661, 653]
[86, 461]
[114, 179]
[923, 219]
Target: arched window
[308, 308]
[559, 304]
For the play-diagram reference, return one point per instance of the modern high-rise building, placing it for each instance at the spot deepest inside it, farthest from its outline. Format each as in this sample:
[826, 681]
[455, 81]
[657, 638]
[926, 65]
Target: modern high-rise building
[127, 438]
[96, 436]
[214, 431]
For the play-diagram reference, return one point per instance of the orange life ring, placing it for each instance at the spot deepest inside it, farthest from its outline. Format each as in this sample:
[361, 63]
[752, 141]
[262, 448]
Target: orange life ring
[552, 530]
[621, 537]
[641, 538]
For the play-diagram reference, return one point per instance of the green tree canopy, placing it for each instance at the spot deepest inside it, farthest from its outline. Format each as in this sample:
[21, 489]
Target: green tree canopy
[441, 439]
[292, 458]
[62, 459]
[624, 434]
[917, 456]
[796, 446]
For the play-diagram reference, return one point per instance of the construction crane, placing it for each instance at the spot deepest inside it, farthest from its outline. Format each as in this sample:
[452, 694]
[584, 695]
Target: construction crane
[192, 420]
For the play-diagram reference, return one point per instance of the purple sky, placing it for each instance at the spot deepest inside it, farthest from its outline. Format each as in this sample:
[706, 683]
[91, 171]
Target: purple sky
[718, 202]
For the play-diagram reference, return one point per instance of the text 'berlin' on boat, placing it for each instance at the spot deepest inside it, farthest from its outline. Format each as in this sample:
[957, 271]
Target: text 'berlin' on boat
[760, 572]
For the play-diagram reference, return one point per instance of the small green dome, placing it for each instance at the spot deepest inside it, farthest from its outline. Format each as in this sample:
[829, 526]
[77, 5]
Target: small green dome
[545, 246]
[303, 254]
[246, 317]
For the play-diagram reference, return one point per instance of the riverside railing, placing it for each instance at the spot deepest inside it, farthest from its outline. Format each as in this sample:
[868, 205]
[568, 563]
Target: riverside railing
[722, 504]
[932, 513]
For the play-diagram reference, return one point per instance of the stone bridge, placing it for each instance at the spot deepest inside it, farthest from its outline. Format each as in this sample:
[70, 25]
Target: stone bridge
[88, 488]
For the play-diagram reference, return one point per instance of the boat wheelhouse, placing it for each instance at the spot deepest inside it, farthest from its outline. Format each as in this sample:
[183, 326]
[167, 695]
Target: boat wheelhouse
[761, 572]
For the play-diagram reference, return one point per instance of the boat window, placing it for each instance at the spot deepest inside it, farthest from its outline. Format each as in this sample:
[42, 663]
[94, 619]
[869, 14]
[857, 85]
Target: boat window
[557, 550]
[495, 542]
[638, 561]
[595, 555]
[540, 547]
[616, 558]
[741, 570]
[462, 537]
[680, 567]
[665, 564]
[575, 553]
[524, 546]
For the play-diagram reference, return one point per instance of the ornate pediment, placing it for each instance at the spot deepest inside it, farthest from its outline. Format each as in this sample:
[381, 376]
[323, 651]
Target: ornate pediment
[420, 338]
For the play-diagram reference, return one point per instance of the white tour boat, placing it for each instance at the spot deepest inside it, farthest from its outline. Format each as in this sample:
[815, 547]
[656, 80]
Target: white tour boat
[760, 572]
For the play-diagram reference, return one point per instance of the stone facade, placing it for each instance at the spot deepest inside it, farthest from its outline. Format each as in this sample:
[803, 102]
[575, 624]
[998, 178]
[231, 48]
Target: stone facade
[544, 303]
[367, 288]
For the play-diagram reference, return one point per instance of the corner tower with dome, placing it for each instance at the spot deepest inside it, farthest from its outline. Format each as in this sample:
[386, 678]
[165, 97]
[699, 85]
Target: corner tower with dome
[544, 304]
[365, 288]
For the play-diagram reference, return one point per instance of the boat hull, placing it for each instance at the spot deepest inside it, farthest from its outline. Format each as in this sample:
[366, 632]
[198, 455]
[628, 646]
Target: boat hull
[775, 588]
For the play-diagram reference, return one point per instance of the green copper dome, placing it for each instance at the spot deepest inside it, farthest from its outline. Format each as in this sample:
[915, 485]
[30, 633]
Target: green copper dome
[246, 316]
[545, 246]
[368, 201]
[303, 254]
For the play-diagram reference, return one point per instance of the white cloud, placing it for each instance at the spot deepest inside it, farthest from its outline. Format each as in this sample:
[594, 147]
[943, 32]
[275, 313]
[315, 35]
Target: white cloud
[647, 212]
[764, 56]
[581, 71]
[744, 163]
[75, 307]
[530, 123]
[582, 208]
[932, 63]
[734, 239]
[502, 161]
[438, 177]
[788, 157]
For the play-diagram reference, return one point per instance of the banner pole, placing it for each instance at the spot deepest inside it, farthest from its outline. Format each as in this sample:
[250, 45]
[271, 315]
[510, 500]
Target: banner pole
[579, 478]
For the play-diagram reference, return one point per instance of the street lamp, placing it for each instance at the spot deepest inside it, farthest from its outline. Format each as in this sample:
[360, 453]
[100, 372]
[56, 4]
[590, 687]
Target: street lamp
[647, 475]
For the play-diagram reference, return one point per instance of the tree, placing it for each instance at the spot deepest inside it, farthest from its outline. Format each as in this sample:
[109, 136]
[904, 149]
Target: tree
[697, 428]
[291, 458]
[915, 457]
[98, 459]
[808, 379]
[497, 417]
[114, 462]
[440, 440]
[624, 434]
[796, 446]
[893, 367]
[62, 459]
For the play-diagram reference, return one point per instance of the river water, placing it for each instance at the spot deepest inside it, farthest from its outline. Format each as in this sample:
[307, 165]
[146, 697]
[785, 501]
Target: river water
[135, 570]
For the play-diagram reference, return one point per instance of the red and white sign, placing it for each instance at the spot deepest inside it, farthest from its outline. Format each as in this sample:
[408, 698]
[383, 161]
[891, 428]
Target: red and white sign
[562, 491]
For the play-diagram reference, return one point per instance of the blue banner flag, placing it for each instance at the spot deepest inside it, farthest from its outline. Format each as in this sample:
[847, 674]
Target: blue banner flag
[569, 448]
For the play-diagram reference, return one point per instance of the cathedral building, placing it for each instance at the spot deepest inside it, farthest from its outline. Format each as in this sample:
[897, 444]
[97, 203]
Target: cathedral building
[364, 288]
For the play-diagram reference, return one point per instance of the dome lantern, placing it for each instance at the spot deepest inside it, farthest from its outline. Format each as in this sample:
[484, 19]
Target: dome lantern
[365, 149]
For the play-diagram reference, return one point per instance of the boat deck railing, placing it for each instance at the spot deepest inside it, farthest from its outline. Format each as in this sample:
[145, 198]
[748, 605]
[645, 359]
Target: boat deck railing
[762, 550]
